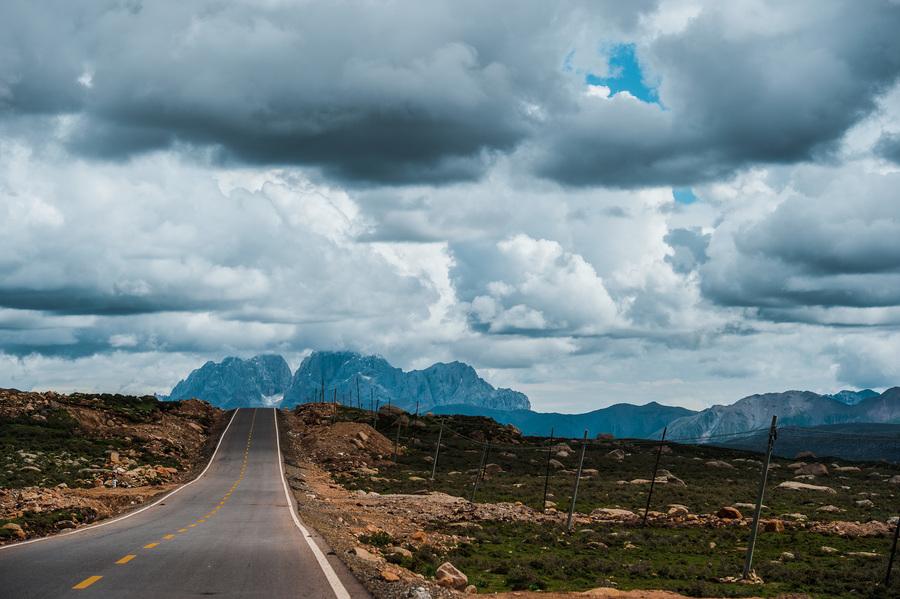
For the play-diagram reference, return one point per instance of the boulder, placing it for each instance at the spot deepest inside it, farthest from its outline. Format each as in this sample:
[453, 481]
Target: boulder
[492, 469]
[864, 503]
[894, 480]
[719, 464]
[847, 469]
[590, 472]
[448, 576]
[471, 590]
[813, 469]
[401, 551]
[556, 465]
[793, 485]
[365, 554]
[729, 513]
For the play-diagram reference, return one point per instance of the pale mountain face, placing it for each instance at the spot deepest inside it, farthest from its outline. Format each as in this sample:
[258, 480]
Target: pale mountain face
[233, 382]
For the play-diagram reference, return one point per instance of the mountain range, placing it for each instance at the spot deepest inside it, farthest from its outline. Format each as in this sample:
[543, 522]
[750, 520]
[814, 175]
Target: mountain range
[344, 376]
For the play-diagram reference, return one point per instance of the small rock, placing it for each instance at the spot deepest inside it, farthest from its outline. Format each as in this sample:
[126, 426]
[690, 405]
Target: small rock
[864, 503]
[773, 525]
[447, 575]
[827, 549]
[471, 590]
[389, 576]
[556, 464]
[865, 554]
[419, 593]
[797, 486]
[786, 556]
[616, 454]
[805, 455]
[401, 551]
[365, 554]
[813, 469]
[678, 511]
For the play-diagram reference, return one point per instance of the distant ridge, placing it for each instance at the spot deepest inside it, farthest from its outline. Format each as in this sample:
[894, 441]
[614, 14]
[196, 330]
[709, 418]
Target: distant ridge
[620, 420]
[439, 384]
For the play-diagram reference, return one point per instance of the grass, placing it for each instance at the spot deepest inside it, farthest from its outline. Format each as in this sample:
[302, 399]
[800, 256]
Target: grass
[504, 556]
[42, 523]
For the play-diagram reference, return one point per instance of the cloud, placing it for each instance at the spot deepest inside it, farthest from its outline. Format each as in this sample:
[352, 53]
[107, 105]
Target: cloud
[888, 147]
[832, 246]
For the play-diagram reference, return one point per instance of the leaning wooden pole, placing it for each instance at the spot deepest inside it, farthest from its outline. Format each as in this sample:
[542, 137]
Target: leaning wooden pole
[754, 530]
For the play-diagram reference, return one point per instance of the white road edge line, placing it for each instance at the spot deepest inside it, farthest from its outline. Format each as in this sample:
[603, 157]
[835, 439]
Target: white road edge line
[336, 585]
[136, 512]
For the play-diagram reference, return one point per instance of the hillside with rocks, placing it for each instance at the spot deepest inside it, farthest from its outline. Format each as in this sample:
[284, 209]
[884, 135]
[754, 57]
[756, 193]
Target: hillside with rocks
[69, 460]
[342, 373]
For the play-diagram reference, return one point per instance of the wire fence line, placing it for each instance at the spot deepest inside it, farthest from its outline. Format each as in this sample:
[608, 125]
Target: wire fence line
[399, 426]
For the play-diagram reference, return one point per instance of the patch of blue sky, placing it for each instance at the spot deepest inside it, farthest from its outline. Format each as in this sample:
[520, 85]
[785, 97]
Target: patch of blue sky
[684, 195]
[625, 75]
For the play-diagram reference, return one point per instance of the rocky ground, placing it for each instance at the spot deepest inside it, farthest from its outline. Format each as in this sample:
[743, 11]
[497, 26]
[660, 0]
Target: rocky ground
[400, 543]
[70, 460]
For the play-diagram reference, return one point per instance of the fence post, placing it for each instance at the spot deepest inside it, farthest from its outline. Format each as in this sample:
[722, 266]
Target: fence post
[397, 440]
[480, 467]
[773, 434]
[437, 450]
[547, 471]
[577, 480]
[655, 470]
[887, 576]
[358, 400]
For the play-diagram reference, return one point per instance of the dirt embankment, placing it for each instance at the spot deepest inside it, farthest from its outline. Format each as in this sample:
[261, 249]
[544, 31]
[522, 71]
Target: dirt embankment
[71, 460]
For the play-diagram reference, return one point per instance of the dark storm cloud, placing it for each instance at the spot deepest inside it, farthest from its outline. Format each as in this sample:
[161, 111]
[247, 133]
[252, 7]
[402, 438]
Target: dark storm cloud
[888, 147]
[433, 92]
[689, 247]
[734, 93]
[91, 300]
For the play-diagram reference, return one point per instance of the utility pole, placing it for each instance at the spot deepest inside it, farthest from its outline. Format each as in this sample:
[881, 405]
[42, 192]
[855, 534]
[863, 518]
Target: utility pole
[773, 434]
[577, 480]
[547, 471]
[655, 470]
[437, 450]
[358, 400]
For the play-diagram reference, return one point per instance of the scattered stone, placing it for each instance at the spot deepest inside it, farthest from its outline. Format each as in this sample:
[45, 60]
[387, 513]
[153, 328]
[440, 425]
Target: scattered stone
[605, 513]
[419, 593]
[389, 576]
[365, 554]
[805, 455]
[830, 509]
[676, 510]
[773, 525]
[813, 469]
[616, 454]
[865, 554]
[471, 590]
[729, 513]
[556, 464]
[401, 551]
[786, 556]
[847, 469]
[866, 503]
[447, 575]
[719, 464]
[798, 486]
[827, 549]
[894, 480]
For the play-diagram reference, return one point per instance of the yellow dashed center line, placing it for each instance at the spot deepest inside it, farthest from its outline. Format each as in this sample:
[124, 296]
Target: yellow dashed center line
[150, 545]
[126, 559]
[167, 537]
[87, 582]
[182, 530]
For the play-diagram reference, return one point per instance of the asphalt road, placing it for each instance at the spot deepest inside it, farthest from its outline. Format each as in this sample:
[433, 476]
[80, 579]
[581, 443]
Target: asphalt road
[230, 533]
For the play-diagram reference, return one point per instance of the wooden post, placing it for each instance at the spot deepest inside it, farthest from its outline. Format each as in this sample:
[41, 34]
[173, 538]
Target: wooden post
[655, 470]
[887, 576]
[577, 480]
[748, 562]
[397, 440]
[547, 471]
[480, 467]
[358, 400]
[437, 450]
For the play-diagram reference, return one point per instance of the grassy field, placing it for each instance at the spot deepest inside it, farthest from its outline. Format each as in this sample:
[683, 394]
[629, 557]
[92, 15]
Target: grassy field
[512, 556]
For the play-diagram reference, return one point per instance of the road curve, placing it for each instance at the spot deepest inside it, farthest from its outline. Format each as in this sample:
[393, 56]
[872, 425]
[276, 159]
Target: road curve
[233, 532]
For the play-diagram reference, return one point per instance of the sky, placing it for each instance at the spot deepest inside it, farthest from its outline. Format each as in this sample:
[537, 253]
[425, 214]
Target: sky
[591, 202]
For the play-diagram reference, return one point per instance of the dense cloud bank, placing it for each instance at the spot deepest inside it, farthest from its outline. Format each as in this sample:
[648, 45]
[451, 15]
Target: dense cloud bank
[447, 181]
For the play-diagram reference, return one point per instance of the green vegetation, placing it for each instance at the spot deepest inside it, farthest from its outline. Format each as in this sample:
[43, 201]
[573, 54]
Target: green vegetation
[42, 523]
[501, 556]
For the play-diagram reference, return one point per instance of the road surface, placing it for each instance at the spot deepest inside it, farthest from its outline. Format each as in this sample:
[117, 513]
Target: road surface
[230, 533]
